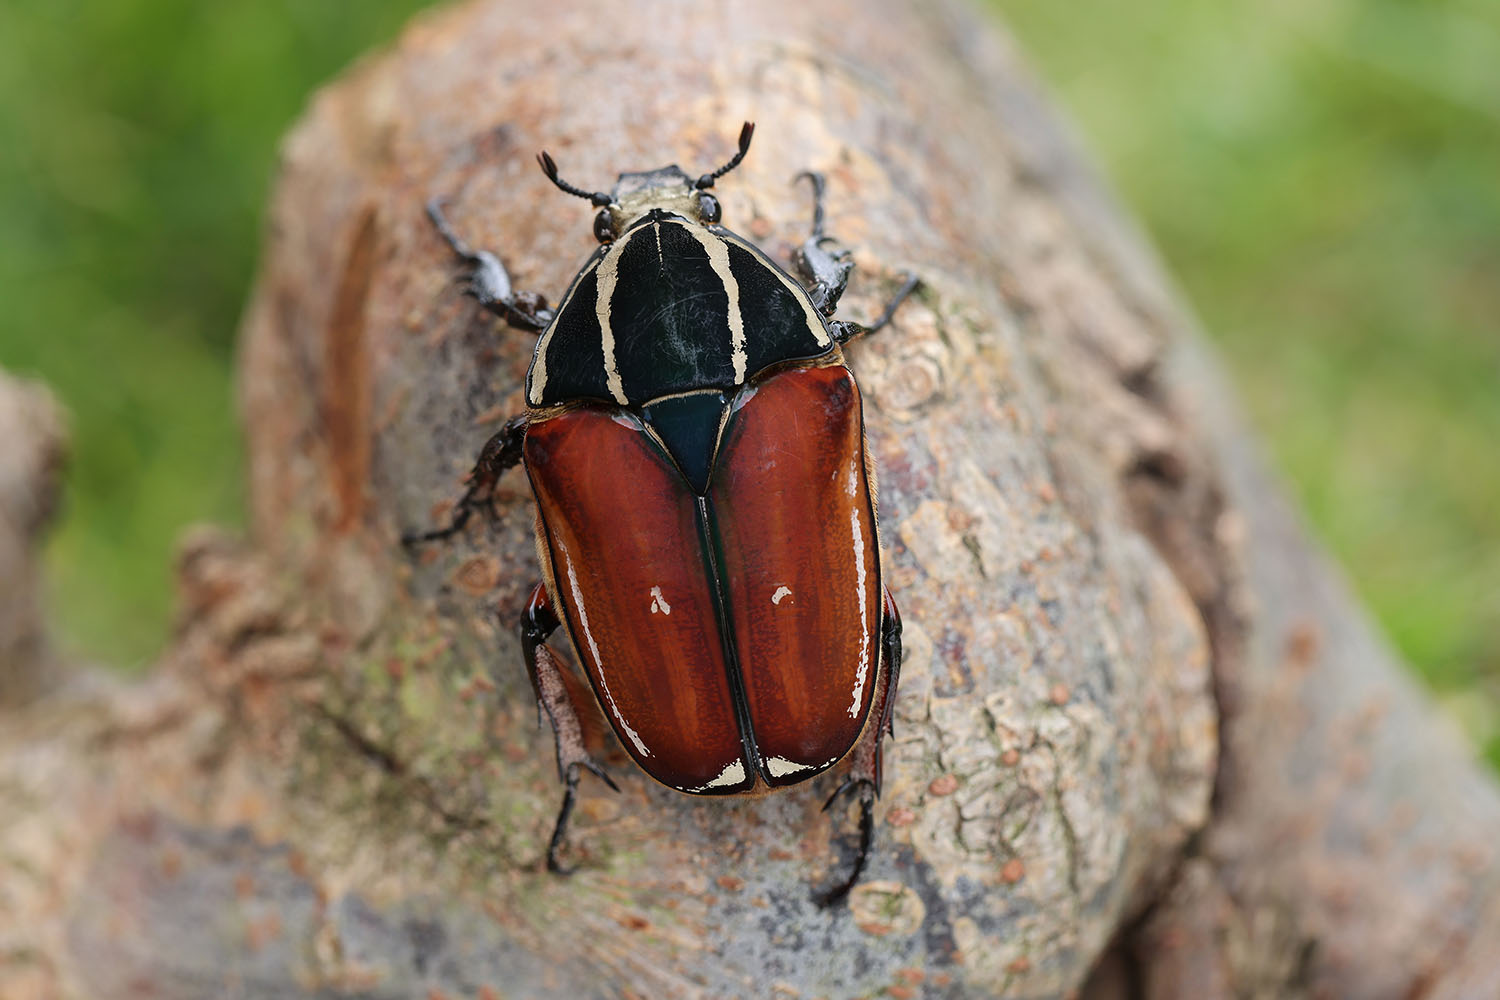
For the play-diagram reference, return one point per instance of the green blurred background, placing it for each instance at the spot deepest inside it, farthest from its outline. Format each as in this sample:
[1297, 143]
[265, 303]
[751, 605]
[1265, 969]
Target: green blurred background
[1323, 177]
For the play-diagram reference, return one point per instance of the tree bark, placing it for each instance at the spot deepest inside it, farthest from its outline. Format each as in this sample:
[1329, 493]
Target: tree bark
[1141, 732]
[31, 461]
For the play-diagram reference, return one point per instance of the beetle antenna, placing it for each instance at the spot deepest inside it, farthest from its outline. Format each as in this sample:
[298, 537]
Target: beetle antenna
[549, 167]
[746, 132]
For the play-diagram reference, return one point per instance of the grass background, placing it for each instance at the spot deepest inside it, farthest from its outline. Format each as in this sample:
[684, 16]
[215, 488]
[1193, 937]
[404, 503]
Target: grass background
[1323, 177]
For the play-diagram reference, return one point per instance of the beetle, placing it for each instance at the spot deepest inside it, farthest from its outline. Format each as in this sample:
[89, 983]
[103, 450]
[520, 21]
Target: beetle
[706, 500]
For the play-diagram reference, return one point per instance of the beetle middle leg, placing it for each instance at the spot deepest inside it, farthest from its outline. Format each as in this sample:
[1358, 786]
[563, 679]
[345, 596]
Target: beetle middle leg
[864, 777]
[538, 622]
[499, 453]
[825, 265]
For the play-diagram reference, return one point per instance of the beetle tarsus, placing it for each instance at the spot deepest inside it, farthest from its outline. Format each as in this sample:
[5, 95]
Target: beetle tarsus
[846, 330]
[819, 184]
[909, 284]
[500, 453]
[565, 812]
[560, 828]
[835, 894]
[488, 282]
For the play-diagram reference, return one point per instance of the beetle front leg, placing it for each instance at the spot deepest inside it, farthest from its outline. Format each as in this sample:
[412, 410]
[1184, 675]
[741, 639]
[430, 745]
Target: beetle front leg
[865, 771]
[489, 282]
[825, 265]
[538, 622]
[500, 452]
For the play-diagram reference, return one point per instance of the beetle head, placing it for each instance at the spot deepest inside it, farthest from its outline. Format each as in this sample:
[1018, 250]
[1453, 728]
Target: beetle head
[666, 189]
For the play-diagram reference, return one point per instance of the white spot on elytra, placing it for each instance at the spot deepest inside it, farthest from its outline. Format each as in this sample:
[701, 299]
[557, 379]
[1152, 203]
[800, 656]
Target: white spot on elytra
[583, 625]
[659, 603]
[781, 592]
[733, 774]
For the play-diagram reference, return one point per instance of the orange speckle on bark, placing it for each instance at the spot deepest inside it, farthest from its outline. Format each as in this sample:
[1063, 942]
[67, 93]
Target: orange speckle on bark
[943, 784]
[901, 816]
[478, 576]
[1013, 871]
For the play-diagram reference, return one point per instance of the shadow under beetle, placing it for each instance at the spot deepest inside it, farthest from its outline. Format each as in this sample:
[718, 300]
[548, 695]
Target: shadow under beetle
[706, 504]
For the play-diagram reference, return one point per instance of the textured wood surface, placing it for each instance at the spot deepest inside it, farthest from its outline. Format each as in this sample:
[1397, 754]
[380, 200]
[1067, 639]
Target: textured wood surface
[33, 445]
[322, 792]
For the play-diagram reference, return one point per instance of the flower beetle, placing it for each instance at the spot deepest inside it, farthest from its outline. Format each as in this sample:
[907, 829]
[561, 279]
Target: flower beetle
[706, 501]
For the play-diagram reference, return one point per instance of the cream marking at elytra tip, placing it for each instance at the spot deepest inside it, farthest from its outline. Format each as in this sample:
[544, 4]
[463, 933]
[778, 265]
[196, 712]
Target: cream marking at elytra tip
[780, 767]
[659, 603]
[609, 276]
[733, 774]
[782, 592]
[583, 624]
[718, 259]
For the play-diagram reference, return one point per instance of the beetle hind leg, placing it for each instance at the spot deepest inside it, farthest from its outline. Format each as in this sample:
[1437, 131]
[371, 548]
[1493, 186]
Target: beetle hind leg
[538, 622]
[864, 777]
[825, 265]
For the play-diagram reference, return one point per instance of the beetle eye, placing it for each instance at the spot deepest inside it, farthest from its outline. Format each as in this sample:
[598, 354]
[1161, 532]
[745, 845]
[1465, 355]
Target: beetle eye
[708, 208]
[604, 226]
